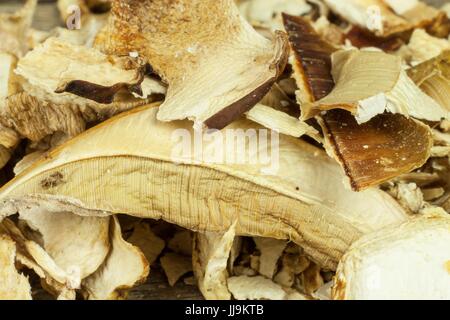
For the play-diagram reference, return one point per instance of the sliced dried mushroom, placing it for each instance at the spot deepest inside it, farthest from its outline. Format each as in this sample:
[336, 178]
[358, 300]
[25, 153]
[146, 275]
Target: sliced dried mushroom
[14, 286]
[14, 28]
[175, 266]
[268, 13]
[61, 67]
[410, 261]
[421, 15]
[124, 267]
[76, 244]
[423, 47]
[311, 279]
[372, 15]
[34, 119]
[379, 150]
[281, 122]
[181, 242]
[150, 244]
[259, 288]
[210, 257]
[25, 259]
[271, 251]
[120, 156]
[214, 37]
[370, 83]
[370, 153]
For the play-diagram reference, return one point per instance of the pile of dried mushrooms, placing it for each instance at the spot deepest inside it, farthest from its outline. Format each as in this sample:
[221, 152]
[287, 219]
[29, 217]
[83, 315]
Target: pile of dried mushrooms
[93, 198]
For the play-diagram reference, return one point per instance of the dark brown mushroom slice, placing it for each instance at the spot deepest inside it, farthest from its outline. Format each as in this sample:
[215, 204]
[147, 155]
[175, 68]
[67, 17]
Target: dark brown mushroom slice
[381, 149]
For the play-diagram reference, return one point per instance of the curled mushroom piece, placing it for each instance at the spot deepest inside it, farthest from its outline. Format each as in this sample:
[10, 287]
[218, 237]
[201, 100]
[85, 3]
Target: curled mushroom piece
[370, 153]
[223, 67]
[210, 257]
[411, 261]
[14, 286]
[433, 77]
[120, 156]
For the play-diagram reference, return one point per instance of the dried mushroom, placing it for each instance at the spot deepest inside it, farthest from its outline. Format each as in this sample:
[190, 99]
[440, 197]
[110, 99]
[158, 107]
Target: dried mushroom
[133, 141]
[124, 267]
[364, 13]
[210, 257]
[175, 266]
[14, 286]
[410, 261]
[76, 244]
[299, 150]
[14, 28]
[372, 152]
[84, 72]
[370, 83]
[150, 244]
[215, 38]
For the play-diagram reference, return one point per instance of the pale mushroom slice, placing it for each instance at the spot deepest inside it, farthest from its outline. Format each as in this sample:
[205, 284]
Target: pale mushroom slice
[410, 261]
[32, 256]
[433, 77]
[175, 266]
[14, 28]
[76, 244]
[217, 68]
[14, 286]
[369, 83]
[181, 243]
[372, 15]
[149, 243]
[210, 258]
[260, 288]
[281, 122]
[60, 67]
[124, 267]
[421, 15]
[305, 200]
[271, 251]
[268, 13]
[372, 152]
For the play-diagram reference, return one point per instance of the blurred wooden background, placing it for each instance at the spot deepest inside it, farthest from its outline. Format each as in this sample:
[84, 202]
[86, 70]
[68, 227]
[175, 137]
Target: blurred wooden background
[46, 18]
